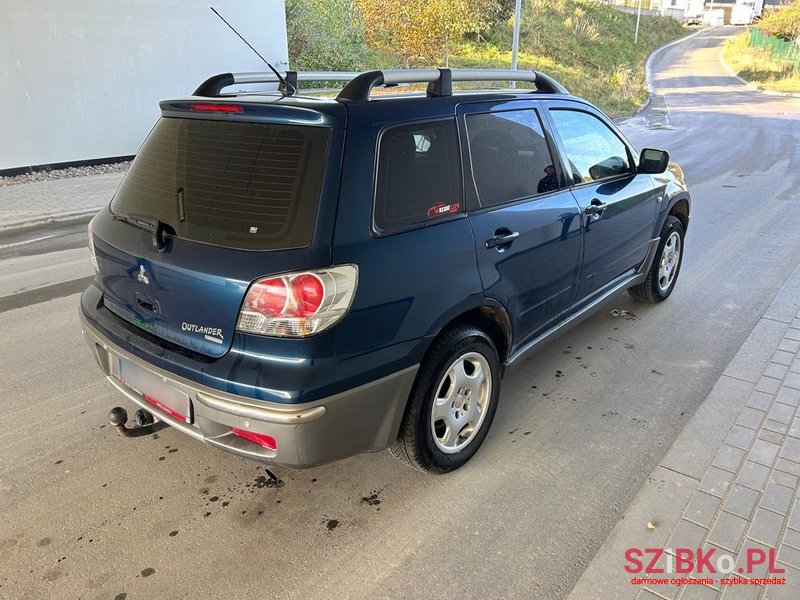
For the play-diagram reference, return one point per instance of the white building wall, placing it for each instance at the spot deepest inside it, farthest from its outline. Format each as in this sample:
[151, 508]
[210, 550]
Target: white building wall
[81, 79]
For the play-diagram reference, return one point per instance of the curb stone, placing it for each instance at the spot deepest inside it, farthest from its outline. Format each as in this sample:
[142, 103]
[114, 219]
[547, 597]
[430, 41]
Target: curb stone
[63, 217]
[28, 205]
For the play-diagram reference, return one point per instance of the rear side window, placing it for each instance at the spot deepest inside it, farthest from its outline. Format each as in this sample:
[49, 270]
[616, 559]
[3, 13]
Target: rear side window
[510, 157]
[252, 186]
[419, 176]
[594, 151]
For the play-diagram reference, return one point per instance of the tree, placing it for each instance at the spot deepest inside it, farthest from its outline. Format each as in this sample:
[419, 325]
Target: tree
[422, 30]
[784, 22]
[325, 35]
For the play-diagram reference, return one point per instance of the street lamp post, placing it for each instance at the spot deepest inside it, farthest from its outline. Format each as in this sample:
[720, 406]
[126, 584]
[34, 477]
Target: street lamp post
[515, 42]
[638, 18]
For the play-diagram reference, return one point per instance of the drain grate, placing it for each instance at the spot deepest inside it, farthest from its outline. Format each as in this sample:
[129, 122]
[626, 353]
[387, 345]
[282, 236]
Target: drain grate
[657, 114]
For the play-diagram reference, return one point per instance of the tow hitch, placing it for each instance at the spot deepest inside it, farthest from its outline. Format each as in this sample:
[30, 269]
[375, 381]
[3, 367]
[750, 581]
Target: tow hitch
[145, 422]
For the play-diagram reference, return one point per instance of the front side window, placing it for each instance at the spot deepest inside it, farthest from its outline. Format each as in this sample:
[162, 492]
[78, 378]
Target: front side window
[594, 152]
[510, 157]
[419, 176]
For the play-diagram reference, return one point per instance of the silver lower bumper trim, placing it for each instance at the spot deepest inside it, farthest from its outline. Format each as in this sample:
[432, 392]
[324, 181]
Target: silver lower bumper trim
[363, 419]
[267, 415]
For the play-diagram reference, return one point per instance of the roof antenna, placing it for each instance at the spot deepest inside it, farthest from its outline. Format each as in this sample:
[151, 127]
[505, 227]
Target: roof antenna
[284, 83]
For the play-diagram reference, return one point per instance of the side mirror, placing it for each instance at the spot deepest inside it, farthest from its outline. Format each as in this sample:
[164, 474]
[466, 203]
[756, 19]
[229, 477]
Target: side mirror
[653, 161]
[610, 167]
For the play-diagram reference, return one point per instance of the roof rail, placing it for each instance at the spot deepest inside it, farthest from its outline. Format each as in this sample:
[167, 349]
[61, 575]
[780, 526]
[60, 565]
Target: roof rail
[359, 85]
[216, 83]
[359, 88]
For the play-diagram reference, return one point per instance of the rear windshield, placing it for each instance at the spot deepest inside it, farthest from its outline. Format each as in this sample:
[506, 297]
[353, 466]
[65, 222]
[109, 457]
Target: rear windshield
[253, 186]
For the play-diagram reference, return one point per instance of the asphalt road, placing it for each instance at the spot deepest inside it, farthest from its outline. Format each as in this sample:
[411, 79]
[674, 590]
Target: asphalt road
[581, 424]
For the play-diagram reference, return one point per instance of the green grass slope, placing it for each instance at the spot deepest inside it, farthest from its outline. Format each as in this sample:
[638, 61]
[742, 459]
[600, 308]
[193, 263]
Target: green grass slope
[587, 46]
[759, 67]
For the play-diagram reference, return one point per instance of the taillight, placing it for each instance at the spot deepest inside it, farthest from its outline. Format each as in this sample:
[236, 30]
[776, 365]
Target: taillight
[309, 293]
[298, 304]
[92, 256]
[220, 108]
[268, 297]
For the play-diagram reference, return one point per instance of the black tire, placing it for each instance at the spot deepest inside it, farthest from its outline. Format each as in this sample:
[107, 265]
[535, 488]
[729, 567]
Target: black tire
[415, 444]
[651, 289]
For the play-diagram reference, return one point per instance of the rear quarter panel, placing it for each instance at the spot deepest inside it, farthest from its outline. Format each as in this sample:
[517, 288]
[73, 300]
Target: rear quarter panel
[413, 283]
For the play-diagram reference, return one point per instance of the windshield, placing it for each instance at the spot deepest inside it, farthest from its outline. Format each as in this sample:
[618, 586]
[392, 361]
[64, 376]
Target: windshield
[252, 186]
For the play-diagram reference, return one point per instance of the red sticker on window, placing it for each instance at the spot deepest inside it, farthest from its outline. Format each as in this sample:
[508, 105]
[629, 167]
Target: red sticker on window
[440, 208]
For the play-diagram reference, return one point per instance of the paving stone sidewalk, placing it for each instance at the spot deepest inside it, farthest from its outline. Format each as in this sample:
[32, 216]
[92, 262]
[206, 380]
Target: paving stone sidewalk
[730, 482]
[41, 201]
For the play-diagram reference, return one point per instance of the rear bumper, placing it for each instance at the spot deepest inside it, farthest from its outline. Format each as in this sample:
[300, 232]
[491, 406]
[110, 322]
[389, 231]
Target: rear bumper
[362, 419]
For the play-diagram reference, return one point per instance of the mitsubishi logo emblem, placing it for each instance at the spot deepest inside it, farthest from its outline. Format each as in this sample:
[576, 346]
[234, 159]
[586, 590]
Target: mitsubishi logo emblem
[142, 276]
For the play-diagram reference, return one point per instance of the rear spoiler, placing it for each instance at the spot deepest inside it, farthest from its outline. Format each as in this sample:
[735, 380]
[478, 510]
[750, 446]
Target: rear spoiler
[359, 85]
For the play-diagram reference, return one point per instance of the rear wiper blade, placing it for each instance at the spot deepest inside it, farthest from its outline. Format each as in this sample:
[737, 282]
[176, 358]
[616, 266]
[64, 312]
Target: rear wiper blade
[150, 224]
[157, 227]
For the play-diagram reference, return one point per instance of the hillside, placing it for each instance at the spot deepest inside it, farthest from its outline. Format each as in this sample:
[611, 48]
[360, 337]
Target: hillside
[587, 46]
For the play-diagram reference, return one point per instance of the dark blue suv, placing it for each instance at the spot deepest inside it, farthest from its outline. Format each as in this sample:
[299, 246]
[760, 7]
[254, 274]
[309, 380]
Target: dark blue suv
[297, 279]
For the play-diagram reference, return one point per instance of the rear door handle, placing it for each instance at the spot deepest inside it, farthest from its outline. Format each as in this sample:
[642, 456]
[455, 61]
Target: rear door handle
[501, 238]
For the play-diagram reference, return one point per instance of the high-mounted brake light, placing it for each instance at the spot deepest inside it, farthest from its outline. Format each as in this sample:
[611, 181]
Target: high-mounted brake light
[222, 108]
[298, 304]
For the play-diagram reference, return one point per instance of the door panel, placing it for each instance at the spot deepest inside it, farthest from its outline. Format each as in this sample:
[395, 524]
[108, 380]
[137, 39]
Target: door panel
[534, 276]
[527, 226]
[617, 239]
[618, 206]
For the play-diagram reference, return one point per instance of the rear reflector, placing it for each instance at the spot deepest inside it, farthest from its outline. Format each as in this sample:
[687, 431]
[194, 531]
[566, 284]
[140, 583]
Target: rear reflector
[261, 439]
[223, 108]
[166, 409]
